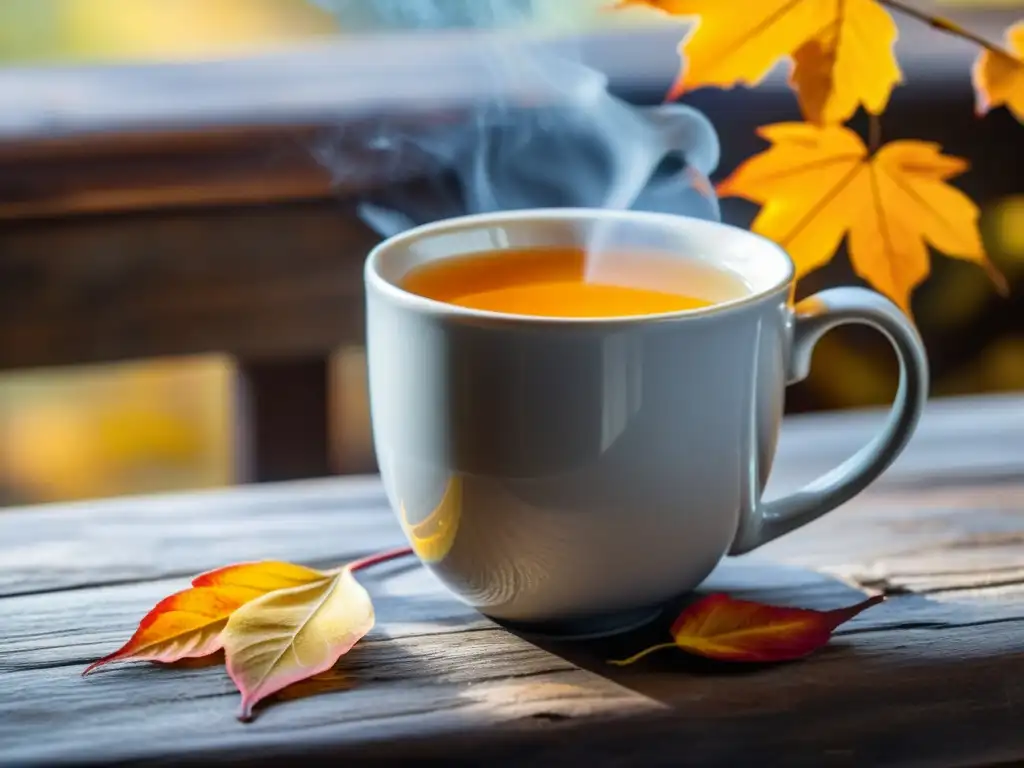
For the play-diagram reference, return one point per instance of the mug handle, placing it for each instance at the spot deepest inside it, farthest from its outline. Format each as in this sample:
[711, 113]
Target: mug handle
[813, 318]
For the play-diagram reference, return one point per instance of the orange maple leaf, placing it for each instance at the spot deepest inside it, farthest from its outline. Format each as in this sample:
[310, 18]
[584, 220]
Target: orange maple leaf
[999, 78]
[190, 624]
[723, 628]
[818, 185]
[843, 51]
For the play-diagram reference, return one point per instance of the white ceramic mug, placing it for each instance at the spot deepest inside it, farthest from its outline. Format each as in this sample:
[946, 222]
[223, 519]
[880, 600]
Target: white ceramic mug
[577, 473]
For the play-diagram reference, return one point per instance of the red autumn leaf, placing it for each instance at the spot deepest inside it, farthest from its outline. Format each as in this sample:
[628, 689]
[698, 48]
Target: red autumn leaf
[720, 627]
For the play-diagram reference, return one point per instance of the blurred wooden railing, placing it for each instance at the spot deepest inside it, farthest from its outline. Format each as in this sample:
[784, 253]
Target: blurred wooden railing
[154, 210]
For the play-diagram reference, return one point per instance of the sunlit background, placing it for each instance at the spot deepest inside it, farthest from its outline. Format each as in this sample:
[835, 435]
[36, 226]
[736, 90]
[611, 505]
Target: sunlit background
[154, 426]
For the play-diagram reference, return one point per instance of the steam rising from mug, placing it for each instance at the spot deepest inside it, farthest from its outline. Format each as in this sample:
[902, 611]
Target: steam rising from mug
[545, 131]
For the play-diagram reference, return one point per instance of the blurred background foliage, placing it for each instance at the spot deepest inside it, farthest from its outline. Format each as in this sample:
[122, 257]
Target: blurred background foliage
[35, 31]
[155, 426]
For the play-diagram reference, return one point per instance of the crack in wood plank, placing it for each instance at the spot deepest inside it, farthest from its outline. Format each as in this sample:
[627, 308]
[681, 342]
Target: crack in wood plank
[316, 563]
[928, 625]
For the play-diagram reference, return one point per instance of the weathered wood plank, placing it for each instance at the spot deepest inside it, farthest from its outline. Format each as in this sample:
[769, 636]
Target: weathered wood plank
[433, 668]
[258, 282]
[413, 661]
[84, 544]
[119, 172]
[49, 630]
[932, 677]
[967, 454]
[959, 439]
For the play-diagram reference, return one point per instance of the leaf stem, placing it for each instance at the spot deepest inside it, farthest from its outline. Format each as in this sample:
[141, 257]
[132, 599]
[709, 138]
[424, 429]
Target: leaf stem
[380, 557]
[638, 656]
[874, 133]
[948, 26]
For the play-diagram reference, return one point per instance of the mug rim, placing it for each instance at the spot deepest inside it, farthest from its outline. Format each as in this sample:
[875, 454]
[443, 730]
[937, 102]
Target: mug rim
[374, 279]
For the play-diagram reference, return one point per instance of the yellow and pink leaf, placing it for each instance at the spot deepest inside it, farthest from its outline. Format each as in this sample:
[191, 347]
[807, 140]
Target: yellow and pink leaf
[188, 624]
[292, 634]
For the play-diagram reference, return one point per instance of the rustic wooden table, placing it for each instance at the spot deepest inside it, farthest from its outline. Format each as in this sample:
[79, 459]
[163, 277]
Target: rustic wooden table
[933, 676]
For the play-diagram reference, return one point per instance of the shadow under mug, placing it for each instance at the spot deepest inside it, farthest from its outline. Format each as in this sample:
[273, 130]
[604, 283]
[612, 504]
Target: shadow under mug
[572, 475]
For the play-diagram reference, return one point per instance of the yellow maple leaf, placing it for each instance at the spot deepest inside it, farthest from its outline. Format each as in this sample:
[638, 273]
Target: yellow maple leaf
[843, 50]
[818, 185]
[999, 79]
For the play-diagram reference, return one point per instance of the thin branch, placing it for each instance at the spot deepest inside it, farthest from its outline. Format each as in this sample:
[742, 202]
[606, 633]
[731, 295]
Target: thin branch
[946, 25]
[874, 133]
[378, 558]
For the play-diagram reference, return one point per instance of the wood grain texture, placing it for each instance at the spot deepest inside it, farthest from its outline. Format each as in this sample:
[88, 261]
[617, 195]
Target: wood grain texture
[433, 672]
[160, 168]
[967, 453]
[257, 282]
[932, 677]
